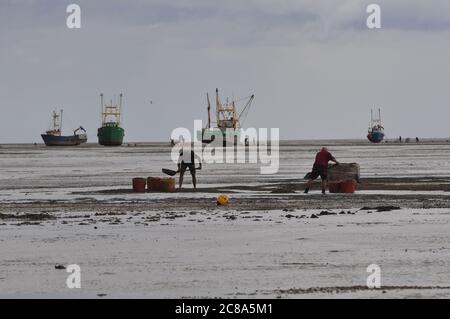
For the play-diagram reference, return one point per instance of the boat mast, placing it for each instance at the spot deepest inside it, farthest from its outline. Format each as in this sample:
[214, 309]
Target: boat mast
[111, 110]
[60, 121]
[101, 109]
[209, 111]
[234, 115]
[55, 124]
[119, 117]
[217, 106]
[245, 109]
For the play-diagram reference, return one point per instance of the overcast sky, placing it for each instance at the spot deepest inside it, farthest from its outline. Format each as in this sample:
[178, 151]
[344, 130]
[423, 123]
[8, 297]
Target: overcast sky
[315, 68]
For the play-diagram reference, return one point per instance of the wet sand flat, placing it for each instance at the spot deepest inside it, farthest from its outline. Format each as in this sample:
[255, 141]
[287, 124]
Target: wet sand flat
[74, 205]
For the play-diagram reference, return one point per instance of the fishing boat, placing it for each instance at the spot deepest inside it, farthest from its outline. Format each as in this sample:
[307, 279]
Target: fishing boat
[376, 129]
[228, 120]
[53, 136]
[110, 133]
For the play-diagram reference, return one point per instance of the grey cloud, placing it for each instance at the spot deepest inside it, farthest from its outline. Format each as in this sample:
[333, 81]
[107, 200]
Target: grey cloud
[248, 16]
[302, 59]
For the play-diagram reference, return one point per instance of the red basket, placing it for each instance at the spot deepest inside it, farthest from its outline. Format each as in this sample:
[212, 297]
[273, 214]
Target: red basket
[155, 184]
[347, 187]
[334, 187]
[139, 185]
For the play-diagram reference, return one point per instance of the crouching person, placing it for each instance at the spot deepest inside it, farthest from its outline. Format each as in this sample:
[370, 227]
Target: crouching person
[320, 168]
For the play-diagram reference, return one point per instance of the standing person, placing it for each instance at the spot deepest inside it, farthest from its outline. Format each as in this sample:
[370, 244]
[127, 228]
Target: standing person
[187, 160]
[320, 168]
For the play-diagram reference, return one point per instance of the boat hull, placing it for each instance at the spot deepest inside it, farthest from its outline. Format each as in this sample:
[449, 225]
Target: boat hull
[228, 137]
[110, 135]
[55, 140]
[375, 137]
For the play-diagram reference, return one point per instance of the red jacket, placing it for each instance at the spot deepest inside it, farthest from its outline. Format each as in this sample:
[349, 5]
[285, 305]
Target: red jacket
[322, 159]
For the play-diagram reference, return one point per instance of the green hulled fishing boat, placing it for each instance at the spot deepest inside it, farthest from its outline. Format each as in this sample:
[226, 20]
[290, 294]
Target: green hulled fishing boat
[111, 134]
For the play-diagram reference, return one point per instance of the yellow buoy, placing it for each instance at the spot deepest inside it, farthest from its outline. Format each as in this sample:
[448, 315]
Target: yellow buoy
[222, 200]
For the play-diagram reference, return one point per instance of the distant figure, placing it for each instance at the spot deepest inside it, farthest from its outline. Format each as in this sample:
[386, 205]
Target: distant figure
[320, 168]
[187, 160]
[400, 139]
[417, 140]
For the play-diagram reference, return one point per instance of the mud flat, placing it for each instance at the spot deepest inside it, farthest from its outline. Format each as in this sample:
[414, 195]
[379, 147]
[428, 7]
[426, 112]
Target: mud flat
[74, 206]
[228, 253]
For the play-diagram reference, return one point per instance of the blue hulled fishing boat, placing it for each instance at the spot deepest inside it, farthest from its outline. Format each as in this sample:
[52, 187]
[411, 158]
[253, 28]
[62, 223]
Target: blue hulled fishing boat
[376, 129]
[53, 136]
